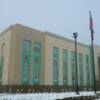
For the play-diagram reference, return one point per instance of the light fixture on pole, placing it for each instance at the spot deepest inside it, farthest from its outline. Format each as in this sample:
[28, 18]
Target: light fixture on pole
[75, 35]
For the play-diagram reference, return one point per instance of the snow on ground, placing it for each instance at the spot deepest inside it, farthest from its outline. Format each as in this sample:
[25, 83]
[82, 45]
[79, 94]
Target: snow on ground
[98, 95]
[98, 92]
[97, 99]
[43, 96]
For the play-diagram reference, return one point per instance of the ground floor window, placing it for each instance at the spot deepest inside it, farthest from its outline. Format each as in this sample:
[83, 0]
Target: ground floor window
[87, 69]
[36, 63]
[55, 65]
[26, 61]
[81, 70]
[65, 67]
[73, 65]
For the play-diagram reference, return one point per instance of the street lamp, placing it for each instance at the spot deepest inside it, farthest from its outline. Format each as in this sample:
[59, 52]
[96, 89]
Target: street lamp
[75, 35]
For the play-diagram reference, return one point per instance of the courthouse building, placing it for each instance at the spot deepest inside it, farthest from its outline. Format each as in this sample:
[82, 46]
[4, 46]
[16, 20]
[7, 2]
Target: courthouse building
[32, 57]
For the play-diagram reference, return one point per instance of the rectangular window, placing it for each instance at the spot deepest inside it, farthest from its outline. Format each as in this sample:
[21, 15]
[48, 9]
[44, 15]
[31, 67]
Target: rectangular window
[55, 65]
[81, 72]
[37, 63]
[1, 67]
[65, 67]
[92, 70]
[87, 69]
[2, 59]
[73, 64]
[26, 61]
[98, 59]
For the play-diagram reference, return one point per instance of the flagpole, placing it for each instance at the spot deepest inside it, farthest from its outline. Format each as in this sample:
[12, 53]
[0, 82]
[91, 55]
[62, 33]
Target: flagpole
[92, 39]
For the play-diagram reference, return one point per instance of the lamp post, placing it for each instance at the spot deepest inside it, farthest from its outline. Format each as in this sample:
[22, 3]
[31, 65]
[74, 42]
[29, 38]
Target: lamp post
[75, 35]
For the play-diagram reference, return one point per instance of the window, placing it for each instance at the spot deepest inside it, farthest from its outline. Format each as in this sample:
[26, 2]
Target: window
[26, 61]
[92, 69]
[2, 59]
[81, 73]
[55, 66]
[99, 66]
[1, 67]
[65, 67]
[73, 64]
[87, 69]
[37, 63]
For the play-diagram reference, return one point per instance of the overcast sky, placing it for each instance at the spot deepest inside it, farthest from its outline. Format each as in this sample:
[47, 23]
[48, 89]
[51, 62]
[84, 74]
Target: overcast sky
[62, 17]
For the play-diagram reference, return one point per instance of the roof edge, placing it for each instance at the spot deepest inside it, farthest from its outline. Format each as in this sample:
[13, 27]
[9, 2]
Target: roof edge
[45, 32]
[9, 28]
[66, 39]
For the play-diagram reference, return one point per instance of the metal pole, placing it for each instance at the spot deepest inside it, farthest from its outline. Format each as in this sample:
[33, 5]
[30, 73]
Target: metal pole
[92, 38]
[75, 37]
[77, 88]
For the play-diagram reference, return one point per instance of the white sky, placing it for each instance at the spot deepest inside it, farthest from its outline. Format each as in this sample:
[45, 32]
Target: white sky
[62, 17]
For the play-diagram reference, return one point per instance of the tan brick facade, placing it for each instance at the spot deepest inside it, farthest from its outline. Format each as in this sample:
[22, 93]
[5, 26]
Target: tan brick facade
[11, 47]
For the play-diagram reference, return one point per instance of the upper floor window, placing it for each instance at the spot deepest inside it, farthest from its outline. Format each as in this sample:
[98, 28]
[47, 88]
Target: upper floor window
[65, 67]
[37, 63]
[55, 65]
[73, 64]
[26, 61]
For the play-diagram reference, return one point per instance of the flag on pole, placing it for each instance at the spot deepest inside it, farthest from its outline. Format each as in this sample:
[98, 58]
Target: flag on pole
[91, 23]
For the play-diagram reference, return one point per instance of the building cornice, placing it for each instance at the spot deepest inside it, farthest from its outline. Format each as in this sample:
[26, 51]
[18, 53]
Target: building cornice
[65, 39]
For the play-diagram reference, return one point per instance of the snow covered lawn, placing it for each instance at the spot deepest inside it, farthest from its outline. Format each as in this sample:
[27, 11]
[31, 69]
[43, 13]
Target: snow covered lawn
[43, 96]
